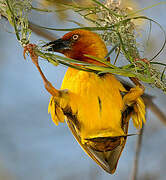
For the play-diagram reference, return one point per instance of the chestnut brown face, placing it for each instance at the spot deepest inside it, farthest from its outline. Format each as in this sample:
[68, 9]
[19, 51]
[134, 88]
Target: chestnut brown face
[78, 43]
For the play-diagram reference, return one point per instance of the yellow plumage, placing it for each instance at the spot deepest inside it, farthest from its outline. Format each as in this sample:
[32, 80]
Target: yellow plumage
[97, 102]
[97, 108]
[98, 111]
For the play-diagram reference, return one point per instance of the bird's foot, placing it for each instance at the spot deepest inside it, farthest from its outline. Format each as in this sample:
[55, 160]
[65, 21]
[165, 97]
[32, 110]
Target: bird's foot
[31, 50]
[138, 61]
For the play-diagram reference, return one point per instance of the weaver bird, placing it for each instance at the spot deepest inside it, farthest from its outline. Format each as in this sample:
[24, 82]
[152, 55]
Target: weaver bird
[97, 108]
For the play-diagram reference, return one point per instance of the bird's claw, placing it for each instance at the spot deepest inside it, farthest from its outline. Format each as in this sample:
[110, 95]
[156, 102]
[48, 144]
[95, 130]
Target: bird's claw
[30, 48]
[138, 60]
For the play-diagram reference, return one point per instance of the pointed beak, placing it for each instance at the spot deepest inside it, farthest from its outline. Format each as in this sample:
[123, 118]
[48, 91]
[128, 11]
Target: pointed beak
[58, 45]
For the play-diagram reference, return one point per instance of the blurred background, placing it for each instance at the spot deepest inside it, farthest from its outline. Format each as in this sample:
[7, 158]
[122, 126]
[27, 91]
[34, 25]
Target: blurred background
[32, 147]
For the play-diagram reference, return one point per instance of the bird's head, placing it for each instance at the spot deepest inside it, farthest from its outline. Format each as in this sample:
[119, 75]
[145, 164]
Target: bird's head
[78, 43]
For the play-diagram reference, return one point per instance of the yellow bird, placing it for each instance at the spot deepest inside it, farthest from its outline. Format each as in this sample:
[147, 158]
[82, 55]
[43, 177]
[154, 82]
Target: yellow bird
[97, 108]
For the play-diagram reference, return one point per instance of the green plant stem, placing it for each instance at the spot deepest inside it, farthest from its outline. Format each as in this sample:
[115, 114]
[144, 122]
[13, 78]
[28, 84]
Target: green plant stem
[13, 19]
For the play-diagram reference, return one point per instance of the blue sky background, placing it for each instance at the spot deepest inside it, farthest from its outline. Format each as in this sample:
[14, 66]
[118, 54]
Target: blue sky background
[32, 147]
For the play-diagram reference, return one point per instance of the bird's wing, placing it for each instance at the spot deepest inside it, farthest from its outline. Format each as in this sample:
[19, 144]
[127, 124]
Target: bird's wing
[134, 100]
[56, 112]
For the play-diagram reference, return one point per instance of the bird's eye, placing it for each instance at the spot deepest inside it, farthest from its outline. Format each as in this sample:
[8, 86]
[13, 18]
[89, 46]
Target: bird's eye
[75, 36]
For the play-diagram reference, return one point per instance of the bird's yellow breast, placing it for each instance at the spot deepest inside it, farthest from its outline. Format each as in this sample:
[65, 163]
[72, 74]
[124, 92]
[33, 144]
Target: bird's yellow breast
[96, 102]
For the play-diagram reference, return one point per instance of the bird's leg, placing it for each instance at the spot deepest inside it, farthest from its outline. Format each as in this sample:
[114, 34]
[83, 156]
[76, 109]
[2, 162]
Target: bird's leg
[137, 83]
[49, 87]
[131, 97]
